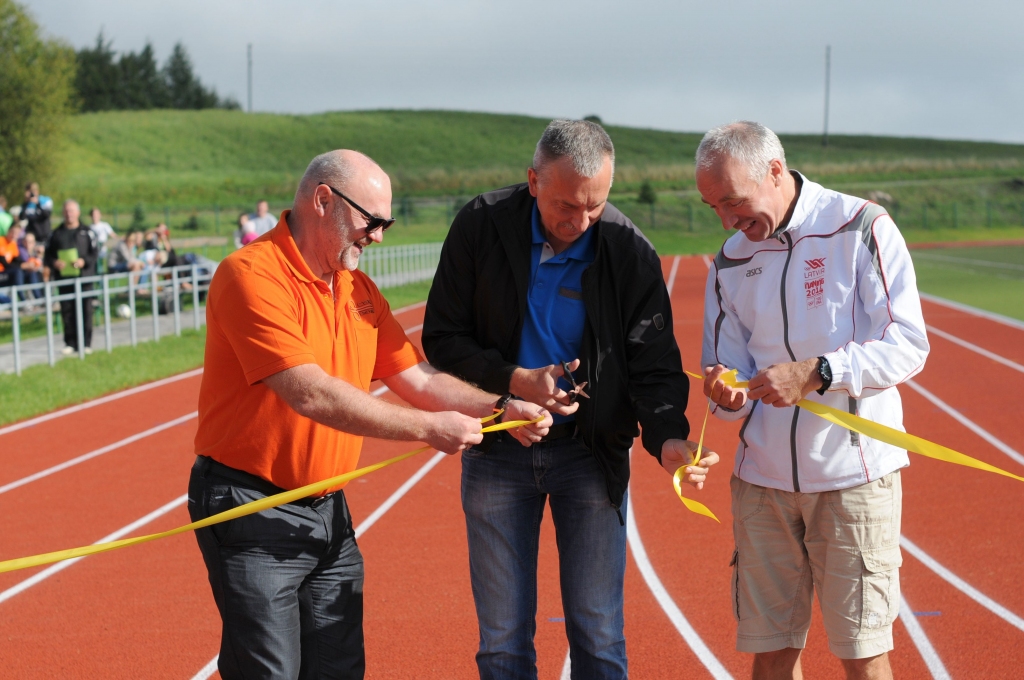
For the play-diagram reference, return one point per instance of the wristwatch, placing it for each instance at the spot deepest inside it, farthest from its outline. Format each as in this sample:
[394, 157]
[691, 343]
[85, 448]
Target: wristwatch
[500, 405]
[825, 373]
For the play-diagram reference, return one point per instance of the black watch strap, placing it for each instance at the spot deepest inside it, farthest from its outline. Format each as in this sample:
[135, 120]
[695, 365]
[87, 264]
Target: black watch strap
[500, 405]
[825, 373]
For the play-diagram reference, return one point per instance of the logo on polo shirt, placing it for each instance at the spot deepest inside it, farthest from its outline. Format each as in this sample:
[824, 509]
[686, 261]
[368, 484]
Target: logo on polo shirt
[361, 308]
[814, 282]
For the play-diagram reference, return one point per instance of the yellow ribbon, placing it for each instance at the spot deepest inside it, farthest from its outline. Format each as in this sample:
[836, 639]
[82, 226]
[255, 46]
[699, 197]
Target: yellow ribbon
[882, 433]
[234, 513]
[677, 478]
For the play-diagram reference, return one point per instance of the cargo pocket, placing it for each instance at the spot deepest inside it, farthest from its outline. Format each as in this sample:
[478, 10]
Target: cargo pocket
[880, 588]
[735, 564]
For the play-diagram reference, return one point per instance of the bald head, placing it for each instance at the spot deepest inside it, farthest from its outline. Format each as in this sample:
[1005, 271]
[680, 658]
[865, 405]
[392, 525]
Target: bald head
[344, 170]
[72, 213]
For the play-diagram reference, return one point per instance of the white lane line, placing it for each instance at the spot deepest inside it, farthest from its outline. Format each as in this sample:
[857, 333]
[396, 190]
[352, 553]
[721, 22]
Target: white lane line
[566, 667]
[96, 402]
[962, 585]
[974, 348]
[409, 308]
[207, 670]
[98, 452]
[120, 533]
[397, 495]
[707, 261]
[413, 329]
[676, 616]
[211, 667]
[921, 641]
[672, 276]
[967, 422]
[960, 307]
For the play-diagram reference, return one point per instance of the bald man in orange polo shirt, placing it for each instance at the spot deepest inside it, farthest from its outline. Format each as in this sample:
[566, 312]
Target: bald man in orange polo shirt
[295, 334]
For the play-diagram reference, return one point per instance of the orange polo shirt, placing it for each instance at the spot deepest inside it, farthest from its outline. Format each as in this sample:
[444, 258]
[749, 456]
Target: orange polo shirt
[267, 312]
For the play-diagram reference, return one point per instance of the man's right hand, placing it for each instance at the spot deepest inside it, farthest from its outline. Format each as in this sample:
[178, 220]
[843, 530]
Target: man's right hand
[732, 398]
[540, 386]
[451, 431]
[58, 264]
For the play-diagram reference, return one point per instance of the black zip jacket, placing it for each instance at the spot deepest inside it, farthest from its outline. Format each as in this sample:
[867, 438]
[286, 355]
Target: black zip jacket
[83, 238]
[629, 356]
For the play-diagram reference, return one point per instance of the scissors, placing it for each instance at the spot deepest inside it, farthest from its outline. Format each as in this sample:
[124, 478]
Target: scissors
[577, 389]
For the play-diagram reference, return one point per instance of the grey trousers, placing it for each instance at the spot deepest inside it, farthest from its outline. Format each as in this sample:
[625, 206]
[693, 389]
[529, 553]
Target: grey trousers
[288, 581]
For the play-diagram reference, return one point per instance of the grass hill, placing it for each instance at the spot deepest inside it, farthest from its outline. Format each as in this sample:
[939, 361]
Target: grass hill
[189, 158]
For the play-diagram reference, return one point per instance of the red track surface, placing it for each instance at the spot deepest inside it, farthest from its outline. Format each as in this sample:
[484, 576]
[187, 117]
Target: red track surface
[147, 611]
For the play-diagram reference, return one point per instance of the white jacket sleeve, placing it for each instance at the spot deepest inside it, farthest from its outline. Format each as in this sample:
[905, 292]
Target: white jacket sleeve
[725, 340]
[895, 347]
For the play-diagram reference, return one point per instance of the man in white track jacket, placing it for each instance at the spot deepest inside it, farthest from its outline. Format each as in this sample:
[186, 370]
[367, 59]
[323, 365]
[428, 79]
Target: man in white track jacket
[815, 299]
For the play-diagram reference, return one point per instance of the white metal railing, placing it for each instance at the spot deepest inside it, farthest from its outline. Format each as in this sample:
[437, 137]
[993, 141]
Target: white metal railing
[165, 288]
[391, 266]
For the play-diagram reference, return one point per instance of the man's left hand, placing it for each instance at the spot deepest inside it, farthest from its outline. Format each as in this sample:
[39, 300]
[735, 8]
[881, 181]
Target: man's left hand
[526, 435]
[79, 263]
[678, 452]
[782, 385]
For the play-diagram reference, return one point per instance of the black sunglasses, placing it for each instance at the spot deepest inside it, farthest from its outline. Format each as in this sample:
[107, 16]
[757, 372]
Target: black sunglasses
[373, 223]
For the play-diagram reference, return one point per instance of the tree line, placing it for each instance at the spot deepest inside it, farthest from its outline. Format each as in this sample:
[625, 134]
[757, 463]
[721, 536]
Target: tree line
[107, 81]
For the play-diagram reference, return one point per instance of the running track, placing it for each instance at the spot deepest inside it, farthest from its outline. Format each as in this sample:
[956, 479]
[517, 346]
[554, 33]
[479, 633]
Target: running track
[119, 466]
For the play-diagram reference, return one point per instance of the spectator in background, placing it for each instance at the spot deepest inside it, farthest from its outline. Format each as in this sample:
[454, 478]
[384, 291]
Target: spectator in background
[123, 255]
[103, 232]
[71, 253]
[10, 257]
[36, 210]
[248, 233]
[263, 220]
[243, 221]
[160, 240]
[31, 270]
[6, 219]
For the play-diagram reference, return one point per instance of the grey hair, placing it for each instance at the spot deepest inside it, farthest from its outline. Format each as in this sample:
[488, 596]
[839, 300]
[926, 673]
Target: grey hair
[331, 167]
[751, 143]
[585, 144]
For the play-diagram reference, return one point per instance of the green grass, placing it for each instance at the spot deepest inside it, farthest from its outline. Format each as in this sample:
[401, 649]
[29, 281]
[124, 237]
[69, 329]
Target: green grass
[187, 159]
[401, 296]
[991, 278]
[41, 388]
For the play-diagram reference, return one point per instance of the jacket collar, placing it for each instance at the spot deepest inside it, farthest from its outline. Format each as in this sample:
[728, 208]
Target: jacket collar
[810, 192]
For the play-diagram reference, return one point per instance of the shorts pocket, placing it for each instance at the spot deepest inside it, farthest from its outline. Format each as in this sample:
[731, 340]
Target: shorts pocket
[747, 499]
[880, 588]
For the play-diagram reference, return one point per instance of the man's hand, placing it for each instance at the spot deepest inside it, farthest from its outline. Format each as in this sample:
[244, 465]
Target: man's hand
[58, 264]
[79, 263]
[451, 432]
[783, 385]
[732, 398]
[678, 452]
[540, 386]
[524, 410]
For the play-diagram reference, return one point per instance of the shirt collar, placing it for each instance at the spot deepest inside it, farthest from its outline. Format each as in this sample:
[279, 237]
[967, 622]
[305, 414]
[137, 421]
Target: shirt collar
[281, 235]
[805, 202]
[581, 249]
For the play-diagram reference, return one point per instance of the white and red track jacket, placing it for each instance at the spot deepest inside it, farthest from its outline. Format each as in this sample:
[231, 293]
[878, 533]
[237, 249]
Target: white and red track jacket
[837, 282]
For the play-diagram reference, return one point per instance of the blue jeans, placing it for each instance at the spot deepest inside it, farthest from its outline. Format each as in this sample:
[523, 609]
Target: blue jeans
[503, 496]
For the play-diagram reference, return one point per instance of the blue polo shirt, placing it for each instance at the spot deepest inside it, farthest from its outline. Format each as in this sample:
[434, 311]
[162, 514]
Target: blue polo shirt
[555, 315]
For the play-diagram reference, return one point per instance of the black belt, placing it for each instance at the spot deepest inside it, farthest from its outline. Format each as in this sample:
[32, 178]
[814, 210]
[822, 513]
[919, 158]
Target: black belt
[208, 466]
[560, 431]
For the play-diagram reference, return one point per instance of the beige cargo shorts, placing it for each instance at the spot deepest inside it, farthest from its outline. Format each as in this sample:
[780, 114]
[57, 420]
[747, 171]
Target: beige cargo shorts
[843, 544]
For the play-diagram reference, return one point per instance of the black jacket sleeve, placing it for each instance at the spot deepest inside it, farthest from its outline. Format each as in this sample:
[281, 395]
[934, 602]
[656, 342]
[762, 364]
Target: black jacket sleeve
[657, 385]
[450, 323]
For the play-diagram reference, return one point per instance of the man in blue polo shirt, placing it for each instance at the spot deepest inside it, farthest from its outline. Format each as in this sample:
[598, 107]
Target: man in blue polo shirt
[546, 292]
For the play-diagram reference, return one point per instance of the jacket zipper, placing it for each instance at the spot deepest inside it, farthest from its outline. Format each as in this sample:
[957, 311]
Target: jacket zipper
[785, 337]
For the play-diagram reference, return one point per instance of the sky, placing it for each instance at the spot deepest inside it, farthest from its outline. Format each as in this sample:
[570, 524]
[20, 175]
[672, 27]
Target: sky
[930, 69]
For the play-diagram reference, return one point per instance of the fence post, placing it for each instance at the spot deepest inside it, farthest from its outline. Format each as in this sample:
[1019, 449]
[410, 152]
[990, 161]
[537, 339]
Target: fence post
[106, 314]
[167, 215]
[115, 219]
[48, 296]
[956, 216]
[195, 296]
[988, 215]
[154, 298]
[132, 328]
[79, 319]
[924, 216]
[177, 303]
[216, 219]
[16, 330]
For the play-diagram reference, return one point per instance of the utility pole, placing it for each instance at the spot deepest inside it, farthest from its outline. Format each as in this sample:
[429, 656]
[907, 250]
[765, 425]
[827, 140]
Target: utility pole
[250, 77]
[828, 74]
